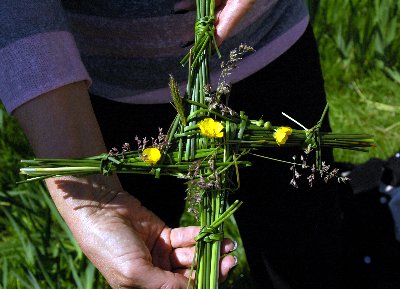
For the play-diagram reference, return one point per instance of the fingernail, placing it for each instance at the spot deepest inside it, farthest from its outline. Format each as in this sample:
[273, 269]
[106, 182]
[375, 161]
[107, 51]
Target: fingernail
[236, 261]
[186, 44]
[235, 245]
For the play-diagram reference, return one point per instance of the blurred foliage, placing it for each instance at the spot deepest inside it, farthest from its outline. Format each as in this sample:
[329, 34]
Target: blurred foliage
[13, 147]
[363, 32]
[359, 43]
[37, 249]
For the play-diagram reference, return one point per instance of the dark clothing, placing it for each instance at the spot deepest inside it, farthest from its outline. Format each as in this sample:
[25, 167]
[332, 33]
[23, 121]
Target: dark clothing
[291, 236]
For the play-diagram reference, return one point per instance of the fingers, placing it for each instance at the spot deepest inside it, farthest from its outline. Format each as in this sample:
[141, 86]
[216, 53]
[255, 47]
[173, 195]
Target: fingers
[156, 278]
[183, 257]
[226, 264]
[184, 236]
[229, 15]
[186, 273]
[228, 245]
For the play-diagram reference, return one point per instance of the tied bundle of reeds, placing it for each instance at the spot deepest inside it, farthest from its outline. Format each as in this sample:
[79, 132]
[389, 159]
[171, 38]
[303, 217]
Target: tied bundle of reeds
[204, 145]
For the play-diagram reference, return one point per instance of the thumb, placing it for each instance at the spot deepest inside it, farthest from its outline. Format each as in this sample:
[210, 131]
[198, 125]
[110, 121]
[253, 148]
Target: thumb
[229, 15]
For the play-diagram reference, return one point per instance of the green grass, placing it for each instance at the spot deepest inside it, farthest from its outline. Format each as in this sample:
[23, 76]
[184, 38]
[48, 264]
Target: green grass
[363, 32]
[37, 249]
[359, 46]
[370, 104]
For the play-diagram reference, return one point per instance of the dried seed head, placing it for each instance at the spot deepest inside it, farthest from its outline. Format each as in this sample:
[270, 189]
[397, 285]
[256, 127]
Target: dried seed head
[113, 152]
[293, 183]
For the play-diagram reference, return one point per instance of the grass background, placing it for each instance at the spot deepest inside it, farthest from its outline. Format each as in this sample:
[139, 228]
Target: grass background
[359, 44]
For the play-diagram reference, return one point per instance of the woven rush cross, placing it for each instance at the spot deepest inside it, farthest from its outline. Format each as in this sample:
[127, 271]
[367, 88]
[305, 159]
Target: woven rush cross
[205, 145]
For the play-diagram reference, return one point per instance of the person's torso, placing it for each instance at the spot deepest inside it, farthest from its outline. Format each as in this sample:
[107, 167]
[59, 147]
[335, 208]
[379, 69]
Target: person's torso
[130, 47]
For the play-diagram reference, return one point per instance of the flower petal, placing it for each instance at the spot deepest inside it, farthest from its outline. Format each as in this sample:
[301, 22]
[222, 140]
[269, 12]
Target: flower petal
[281, 134]
[151, 155]
[211, 128]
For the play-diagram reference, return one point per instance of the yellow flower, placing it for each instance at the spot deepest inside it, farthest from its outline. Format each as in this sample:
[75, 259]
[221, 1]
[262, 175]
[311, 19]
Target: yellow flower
[281, 134]
[151, 155]
[211, 128]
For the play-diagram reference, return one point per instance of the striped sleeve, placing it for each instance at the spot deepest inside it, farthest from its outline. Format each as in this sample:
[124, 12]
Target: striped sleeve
[37, 51]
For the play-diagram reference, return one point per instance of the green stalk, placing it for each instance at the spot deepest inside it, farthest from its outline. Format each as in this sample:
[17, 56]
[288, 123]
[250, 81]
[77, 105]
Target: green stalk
[207, 259]
[201, 254]
[70, 170]
[187, 145]
[215, 250]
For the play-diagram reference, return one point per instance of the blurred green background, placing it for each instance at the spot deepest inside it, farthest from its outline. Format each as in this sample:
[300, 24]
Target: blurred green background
[359, 45]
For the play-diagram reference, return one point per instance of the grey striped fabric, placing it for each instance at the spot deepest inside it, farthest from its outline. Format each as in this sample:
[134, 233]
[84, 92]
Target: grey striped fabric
[125, 49]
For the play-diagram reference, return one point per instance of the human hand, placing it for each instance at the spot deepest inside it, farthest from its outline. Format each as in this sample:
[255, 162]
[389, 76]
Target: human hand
[228, 14]
[130, 246]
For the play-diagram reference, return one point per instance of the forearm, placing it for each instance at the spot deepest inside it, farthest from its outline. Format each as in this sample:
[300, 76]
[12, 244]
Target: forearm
[61, 124]
[103, 218]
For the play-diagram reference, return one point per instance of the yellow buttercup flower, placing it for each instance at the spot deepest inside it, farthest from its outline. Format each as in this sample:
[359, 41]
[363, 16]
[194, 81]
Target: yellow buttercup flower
[151, 155]
[281, 134]
[211, 128]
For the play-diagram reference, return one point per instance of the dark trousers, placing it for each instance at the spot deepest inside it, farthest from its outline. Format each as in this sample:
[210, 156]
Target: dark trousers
[291, 236]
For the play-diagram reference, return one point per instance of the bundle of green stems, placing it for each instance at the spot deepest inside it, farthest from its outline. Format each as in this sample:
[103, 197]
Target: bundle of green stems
[207, 162]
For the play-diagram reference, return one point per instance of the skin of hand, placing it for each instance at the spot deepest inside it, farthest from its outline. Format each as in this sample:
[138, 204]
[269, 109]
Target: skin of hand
[228, 14]
[129, 245]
